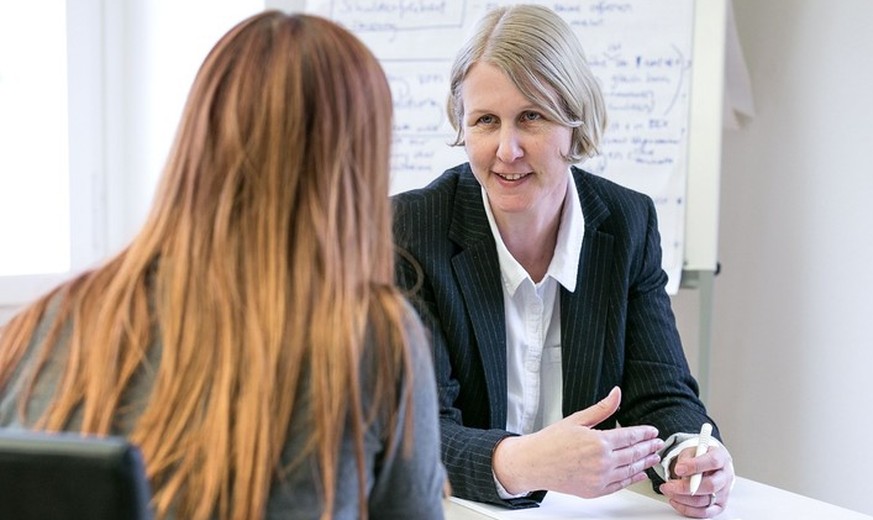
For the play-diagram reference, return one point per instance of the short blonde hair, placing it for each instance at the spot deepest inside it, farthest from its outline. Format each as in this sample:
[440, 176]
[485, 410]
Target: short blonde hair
[544, 59]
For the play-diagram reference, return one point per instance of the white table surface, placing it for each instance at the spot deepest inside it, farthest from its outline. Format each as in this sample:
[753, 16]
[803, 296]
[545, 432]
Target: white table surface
[749, 500]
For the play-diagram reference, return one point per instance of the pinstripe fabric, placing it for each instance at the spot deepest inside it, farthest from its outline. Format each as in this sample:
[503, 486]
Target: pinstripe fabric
[617, 327]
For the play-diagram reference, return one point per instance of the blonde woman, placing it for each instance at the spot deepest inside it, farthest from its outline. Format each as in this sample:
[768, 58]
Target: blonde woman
[249, 339]
[559, 365]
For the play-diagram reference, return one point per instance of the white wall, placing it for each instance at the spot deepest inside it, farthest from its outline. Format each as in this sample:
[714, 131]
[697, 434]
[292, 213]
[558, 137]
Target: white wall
[792, 352]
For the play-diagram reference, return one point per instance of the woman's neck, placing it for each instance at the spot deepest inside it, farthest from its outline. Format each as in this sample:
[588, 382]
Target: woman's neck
[531, 240]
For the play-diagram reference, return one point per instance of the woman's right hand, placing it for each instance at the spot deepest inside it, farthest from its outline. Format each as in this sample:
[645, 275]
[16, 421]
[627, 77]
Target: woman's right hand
[571, 457]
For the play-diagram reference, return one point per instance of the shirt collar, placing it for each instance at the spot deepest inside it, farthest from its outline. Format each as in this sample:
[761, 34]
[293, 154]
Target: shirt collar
[565, 261]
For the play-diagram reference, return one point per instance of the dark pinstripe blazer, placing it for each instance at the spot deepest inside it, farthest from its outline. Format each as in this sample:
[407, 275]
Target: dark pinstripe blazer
[617, 326]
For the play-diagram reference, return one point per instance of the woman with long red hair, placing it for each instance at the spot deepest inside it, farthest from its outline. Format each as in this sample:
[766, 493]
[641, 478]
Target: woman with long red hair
[250, 339]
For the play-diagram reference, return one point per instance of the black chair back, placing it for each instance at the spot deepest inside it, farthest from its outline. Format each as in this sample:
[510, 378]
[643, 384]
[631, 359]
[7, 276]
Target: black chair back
[67, 477]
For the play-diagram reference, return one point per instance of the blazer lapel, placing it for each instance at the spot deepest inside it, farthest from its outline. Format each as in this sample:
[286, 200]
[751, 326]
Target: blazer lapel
[583, 320]
[478, 272]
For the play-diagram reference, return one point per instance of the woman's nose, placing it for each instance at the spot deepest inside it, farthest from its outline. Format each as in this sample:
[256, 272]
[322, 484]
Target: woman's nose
[509, 147]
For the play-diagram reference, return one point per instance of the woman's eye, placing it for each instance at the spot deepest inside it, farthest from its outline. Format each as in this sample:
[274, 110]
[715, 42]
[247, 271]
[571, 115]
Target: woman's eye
[486, 120]
[531, 116]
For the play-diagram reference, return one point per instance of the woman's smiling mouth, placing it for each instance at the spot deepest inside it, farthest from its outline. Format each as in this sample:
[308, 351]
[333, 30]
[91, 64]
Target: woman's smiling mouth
[512, 176]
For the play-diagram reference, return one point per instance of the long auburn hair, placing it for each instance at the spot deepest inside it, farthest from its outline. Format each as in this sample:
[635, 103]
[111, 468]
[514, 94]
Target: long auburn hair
[266, 255]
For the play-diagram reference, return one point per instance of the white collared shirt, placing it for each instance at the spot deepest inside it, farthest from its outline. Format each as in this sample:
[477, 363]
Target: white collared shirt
[533, 321]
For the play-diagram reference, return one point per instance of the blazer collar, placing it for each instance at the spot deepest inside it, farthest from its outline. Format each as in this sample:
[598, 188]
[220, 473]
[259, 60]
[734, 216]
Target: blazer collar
[469, 225]
[477, 270]
[594, 209]
[585, 311]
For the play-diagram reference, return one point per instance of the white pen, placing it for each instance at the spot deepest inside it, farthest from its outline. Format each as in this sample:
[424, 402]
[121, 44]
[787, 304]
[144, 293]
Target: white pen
[702, 446]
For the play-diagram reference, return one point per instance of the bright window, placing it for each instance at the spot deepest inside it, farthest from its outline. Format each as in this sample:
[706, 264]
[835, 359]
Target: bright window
[90, 96]
[52, 181]
[34, 165]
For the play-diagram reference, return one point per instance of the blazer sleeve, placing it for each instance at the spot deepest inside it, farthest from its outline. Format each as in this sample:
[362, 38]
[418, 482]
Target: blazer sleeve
[658, 387]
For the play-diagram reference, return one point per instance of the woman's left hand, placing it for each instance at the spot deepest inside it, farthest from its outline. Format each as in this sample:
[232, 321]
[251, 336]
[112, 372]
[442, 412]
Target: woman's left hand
[711, 498]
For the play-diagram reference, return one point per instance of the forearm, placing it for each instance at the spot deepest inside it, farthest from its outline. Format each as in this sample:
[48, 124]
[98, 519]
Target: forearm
[468, 457]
